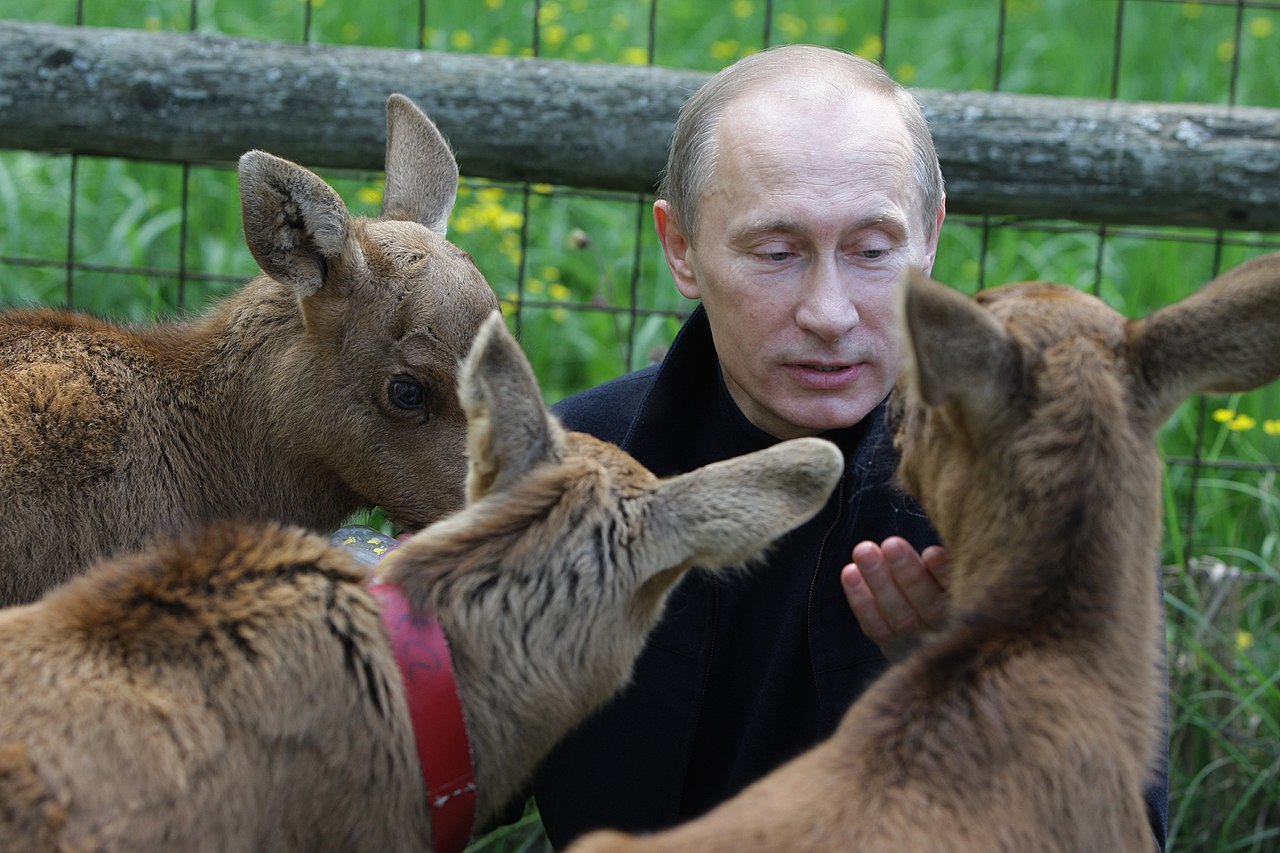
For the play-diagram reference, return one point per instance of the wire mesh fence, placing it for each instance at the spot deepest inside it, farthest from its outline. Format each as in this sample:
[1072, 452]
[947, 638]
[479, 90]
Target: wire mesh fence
[581, 277]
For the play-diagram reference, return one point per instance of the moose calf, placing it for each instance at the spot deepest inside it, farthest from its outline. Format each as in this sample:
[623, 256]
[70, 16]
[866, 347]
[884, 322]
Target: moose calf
[323, 386]
[235, 689]
[1026, 419]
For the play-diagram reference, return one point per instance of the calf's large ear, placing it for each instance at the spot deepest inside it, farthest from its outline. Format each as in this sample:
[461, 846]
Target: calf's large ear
[295, 224]
[728, 512]
[955, 351]
[509, 430]
[1223, 338]
[422, 174]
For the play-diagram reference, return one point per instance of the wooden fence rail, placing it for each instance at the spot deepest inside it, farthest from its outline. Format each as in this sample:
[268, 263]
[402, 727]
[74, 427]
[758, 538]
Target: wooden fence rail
[209, 98]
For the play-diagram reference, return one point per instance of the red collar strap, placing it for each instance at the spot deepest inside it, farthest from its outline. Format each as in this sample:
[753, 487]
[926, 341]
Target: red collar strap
[444, 751]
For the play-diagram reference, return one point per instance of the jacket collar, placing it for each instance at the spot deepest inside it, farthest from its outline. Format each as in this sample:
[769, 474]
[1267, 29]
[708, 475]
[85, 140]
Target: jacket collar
[688, 395]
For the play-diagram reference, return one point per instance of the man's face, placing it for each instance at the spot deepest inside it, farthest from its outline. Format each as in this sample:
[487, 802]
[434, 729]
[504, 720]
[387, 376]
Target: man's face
[807, 222]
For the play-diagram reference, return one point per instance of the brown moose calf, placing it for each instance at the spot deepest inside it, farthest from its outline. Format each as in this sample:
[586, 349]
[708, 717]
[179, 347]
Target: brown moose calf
[235, 689]
[321, 387]
[1027, 421]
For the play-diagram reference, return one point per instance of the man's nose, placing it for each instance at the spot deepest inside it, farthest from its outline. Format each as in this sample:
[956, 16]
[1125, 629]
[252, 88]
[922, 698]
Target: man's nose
[826, 306]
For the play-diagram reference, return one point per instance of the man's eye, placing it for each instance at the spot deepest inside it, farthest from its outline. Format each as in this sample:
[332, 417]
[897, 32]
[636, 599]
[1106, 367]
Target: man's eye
[874, 254]
[776, 257]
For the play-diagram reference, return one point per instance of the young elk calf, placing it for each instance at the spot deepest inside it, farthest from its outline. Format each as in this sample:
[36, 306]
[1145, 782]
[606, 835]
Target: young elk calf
[235, 689]
[321, 387]
[1027, 422]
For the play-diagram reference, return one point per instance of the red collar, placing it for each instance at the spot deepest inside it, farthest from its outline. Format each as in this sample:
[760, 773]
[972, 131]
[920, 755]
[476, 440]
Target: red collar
[444, 751]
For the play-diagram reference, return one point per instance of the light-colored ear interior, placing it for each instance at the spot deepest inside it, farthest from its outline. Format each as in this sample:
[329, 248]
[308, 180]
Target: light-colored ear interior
[509, 430]
[295, 224]
[422, 174]
[955, 351]
[1223, 338]
[728, 512]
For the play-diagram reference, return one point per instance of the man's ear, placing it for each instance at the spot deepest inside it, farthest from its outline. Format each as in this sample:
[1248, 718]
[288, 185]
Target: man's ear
[931, 248]
[676, 248]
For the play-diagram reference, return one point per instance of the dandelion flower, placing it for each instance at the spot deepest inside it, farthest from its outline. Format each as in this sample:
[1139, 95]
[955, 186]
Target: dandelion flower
[1242, 423]
[1223, 416]
[1261, 27]
[1244, 640]
[1271, 427]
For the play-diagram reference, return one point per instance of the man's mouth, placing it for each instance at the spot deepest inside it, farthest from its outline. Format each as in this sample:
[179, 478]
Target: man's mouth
[824, 377]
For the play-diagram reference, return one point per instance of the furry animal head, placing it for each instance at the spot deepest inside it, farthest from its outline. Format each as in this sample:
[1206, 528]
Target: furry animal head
[390, 307]
[1040, 399]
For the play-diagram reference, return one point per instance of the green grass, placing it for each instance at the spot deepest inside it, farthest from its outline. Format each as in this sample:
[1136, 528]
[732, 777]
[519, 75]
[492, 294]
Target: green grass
[582, 280]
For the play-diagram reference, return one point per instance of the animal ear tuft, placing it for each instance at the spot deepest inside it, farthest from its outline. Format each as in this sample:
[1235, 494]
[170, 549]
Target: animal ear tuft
[422, 174]
[295, 224]
[955, 350]
[509, 430]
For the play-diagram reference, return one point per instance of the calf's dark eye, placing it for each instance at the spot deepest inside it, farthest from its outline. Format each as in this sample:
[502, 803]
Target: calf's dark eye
[406, 393]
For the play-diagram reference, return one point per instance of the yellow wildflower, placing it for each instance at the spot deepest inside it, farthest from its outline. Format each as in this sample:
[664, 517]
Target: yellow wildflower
[1244, 640]
[584, 42]
[370, 195]
[871, 48]
[1226, 51]
[1271, 427]
[549, 13]
[493, 4]
[554, 35]
[558, 292]
[1242, 423]
[535, 286]
[1192, 10]
[501, 46]
[743, 8]
[791, 26]
[462, 40]
[1223, 416]
[724, 49]
[1261, 27]
[634, 56]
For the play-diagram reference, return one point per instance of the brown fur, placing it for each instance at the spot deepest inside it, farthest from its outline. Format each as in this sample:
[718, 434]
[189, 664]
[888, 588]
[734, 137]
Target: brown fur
[273, 405]
[235, 690]
[1027, 427]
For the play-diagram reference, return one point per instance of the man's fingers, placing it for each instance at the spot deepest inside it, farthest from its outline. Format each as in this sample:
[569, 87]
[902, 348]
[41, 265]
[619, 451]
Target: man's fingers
[923, 593]
[863, 603]
[881, 569]
[938, 561]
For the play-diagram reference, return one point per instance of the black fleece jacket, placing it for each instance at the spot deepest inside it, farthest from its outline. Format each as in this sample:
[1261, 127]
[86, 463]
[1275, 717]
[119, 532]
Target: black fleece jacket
[746, 669]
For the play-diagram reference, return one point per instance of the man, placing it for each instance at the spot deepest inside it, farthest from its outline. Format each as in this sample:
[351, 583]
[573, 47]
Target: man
[801, 182]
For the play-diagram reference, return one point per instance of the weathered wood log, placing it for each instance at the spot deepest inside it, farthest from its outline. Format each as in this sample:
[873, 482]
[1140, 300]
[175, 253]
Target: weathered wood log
[201, 98]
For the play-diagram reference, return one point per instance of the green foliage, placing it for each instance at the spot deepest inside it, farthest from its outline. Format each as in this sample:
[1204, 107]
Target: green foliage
[583, 283]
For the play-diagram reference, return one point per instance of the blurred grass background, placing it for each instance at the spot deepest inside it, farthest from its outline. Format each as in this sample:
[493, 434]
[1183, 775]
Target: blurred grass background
[583, 282]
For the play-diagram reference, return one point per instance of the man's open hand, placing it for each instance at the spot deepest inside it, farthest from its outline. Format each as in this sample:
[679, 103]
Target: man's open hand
[896, 593]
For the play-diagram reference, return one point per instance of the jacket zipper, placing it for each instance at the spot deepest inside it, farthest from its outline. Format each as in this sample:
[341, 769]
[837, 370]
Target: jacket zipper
[813, 586]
